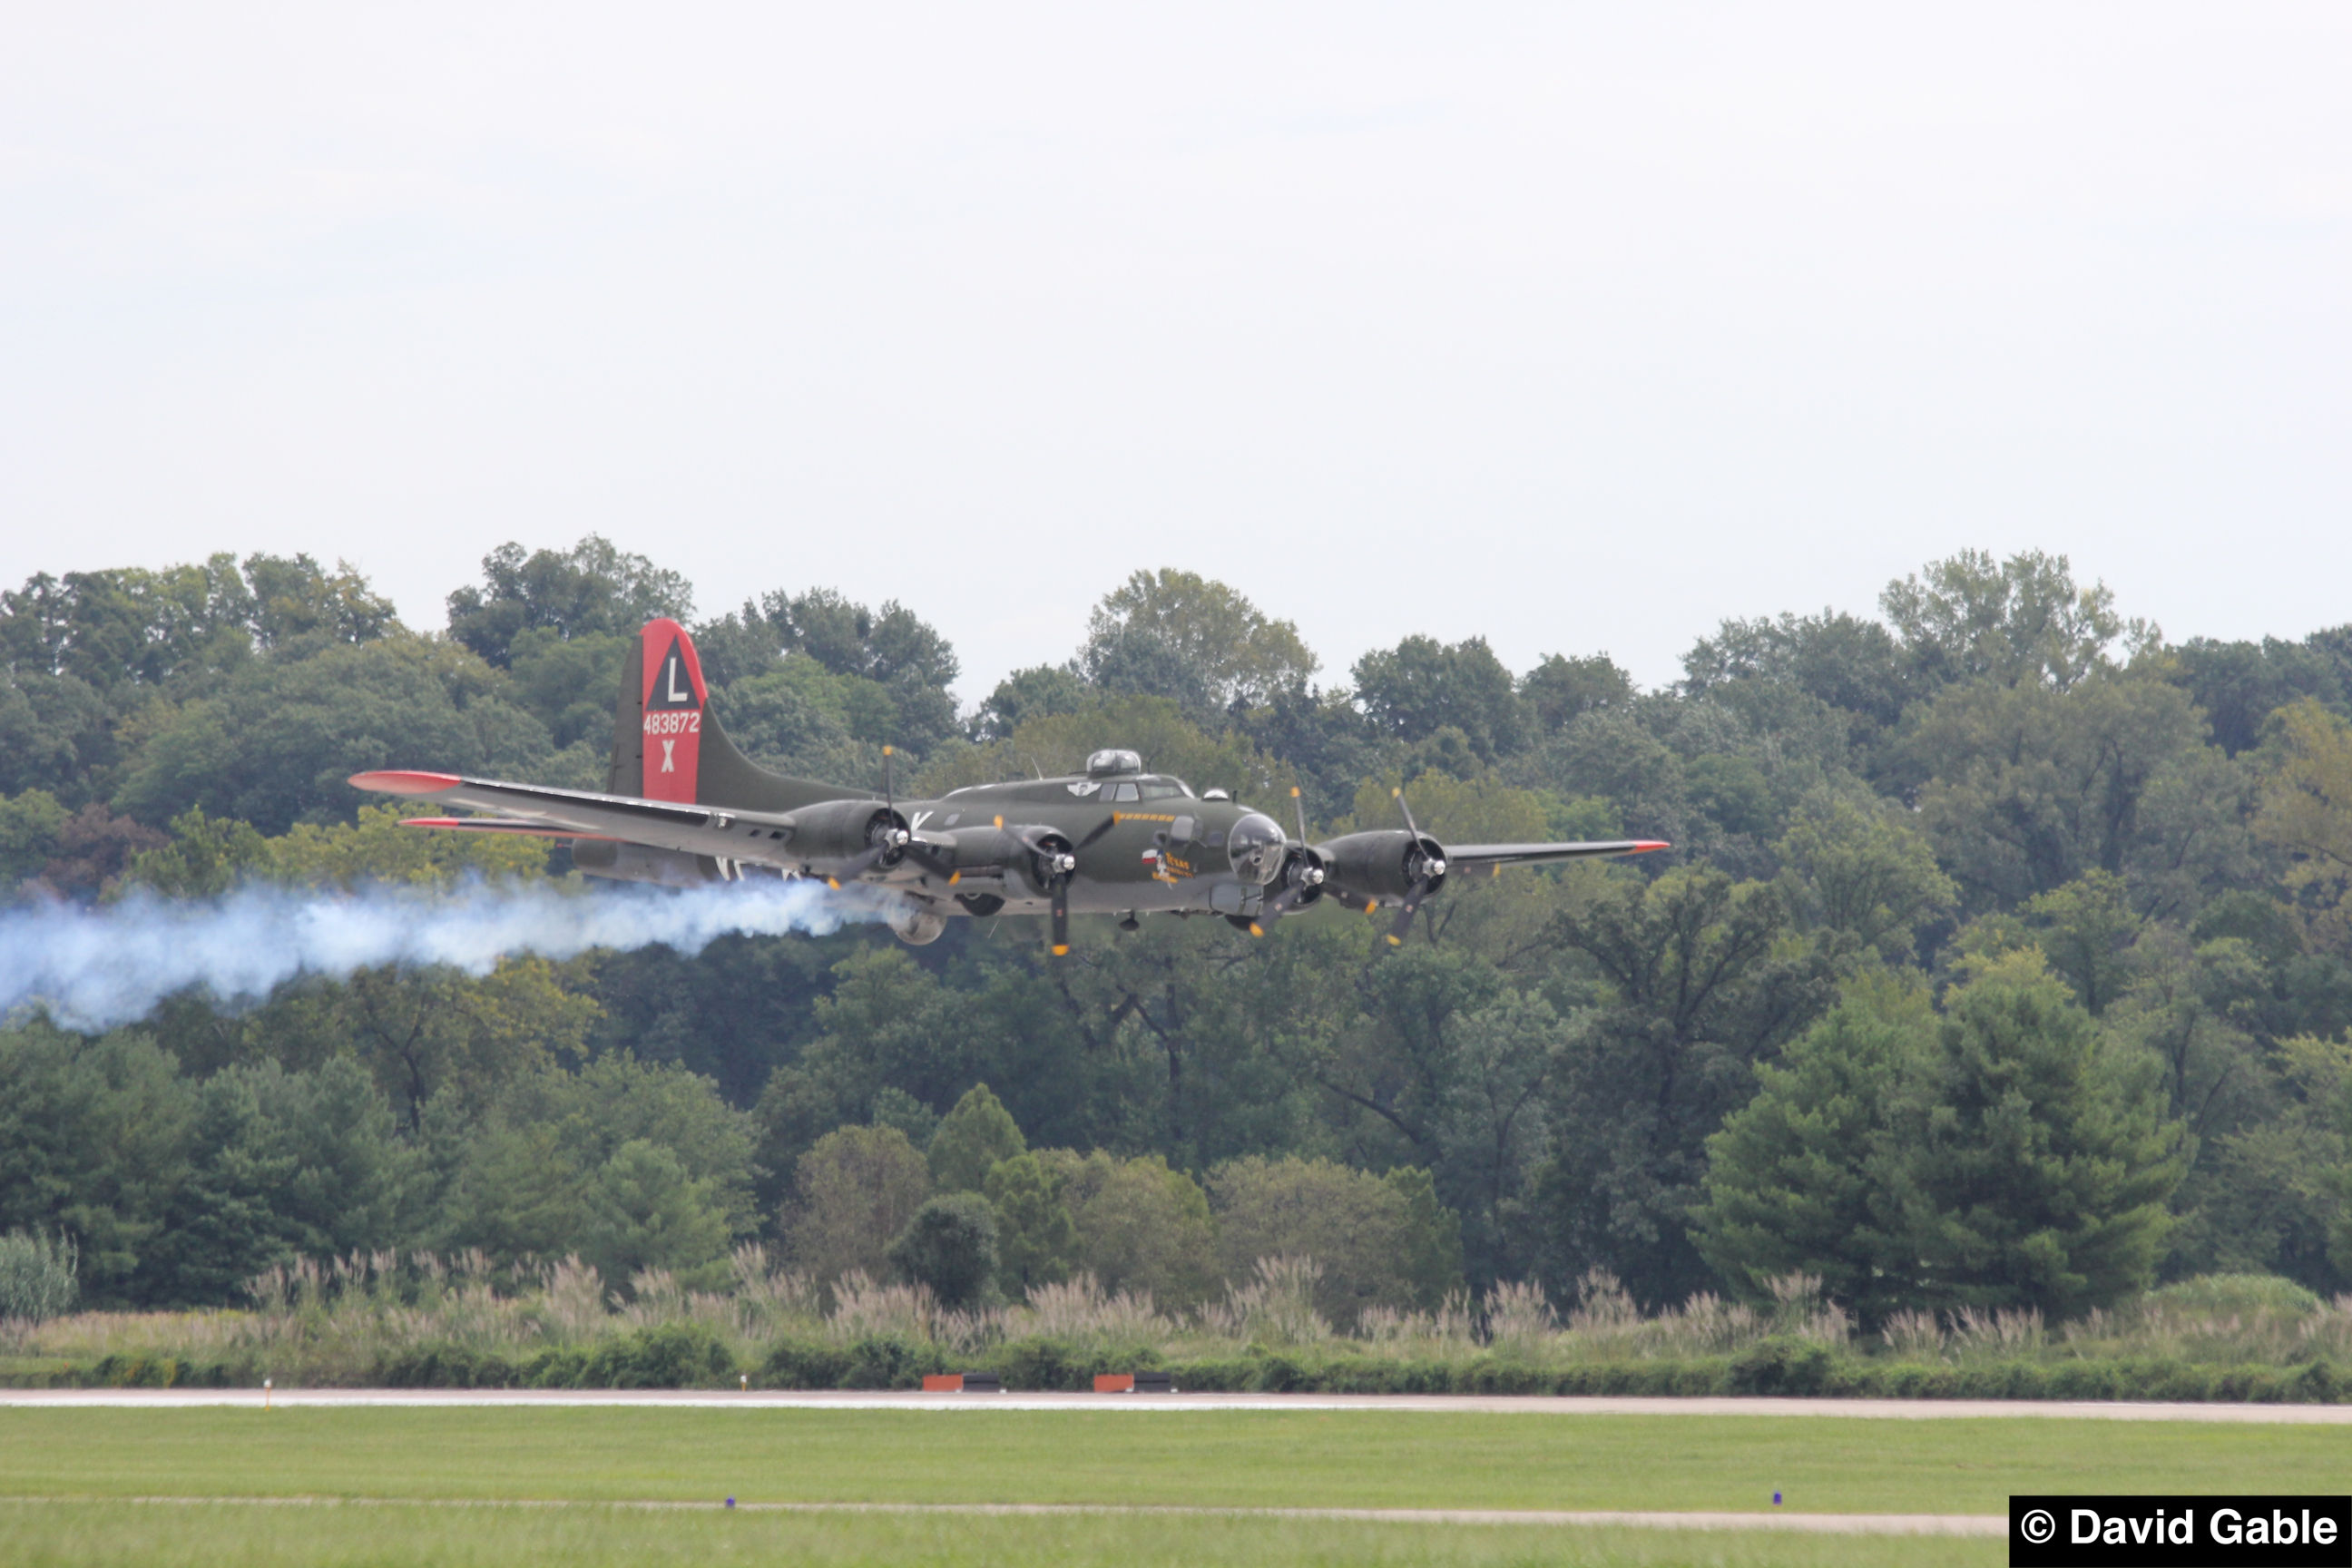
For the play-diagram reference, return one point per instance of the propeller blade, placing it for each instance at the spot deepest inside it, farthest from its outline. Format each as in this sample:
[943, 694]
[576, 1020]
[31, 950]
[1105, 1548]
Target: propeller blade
[1413, 902]
[1406, 807]
[1298, 804]
[1061, 917]
[857, 868]
[1108, 823]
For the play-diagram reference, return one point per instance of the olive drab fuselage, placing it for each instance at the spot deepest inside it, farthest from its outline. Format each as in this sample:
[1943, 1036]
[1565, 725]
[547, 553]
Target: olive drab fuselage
[1143, 842]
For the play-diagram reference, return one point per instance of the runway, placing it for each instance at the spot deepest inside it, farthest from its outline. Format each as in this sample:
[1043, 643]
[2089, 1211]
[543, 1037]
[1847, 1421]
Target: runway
[1492, 1404]
[1798, 1523]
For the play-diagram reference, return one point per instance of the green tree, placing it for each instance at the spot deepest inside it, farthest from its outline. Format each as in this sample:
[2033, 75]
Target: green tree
[1560, 688]
[280, 739]
[95, 1141]
[1858, 866]
[1037, 1238]
[2269, 1196]
[1494, 1130]
[428, 1032]
[1420, 686]
[207, 857]
[1703, 988]
[2031, 785]
[2085, 930]
[568, 683]
[2239, 685]
[2014, 622]
[1041, 692]
[852, 1194]
[2035, 1159]
[286, 1164]
[2306, 804]
[632, 1164]
[30, 825]
[1853, 665]
[1378, 1245]
[1795, 1180]
[57, 735]
[971, 1139]
[644, 1209]
[591, 588]
[1140, 1225]
[1179, 635]
[949, 1244]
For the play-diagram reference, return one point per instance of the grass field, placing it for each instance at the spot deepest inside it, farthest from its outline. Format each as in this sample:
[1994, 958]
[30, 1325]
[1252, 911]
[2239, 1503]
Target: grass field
[1258, 1458]
[225, 1535]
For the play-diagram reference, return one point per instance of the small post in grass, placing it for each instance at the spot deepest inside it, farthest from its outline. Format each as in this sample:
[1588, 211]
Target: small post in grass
[264, 1393]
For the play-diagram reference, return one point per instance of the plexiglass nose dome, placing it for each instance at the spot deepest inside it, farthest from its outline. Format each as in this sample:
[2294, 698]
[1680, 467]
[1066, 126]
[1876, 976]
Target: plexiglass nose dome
[1256, 846]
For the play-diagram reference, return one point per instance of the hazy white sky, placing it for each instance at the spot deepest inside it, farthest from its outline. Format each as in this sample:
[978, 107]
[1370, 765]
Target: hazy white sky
[1578, 326]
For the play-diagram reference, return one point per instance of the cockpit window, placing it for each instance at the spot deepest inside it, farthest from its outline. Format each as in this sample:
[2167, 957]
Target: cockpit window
[1161, 789]
[1119, 792]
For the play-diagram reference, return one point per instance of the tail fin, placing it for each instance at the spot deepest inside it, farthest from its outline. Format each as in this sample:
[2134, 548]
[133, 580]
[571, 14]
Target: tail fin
[668, 745]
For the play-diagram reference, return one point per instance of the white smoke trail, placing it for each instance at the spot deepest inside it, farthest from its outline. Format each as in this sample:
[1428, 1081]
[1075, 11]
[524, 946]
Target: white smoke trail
[99, 968]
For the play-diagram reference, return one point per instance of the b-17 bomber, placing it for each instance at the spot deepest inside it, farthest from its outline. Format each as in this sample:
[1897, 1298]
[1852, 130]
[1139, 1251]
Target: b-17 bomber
[682, 806]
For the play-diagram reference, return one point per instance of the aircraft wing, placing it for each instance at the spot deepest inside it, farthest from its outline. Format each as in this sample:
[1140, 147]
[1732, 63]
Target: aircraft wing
[1468, 854]
[571, 812]
[513, 826]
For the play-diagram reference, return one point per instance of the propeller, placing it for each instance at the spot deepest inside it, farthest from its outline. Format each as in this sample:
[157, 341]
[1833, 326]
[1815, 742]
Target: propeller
[1430, 872]
[1303, 879]
[891, 842]
[1059, 866]
[888, 838]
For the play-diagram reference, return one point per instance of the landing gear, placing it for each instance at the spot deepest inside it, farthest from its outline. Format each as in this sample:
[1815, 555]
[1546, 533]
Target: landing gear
[917, 926]
[1128, 923]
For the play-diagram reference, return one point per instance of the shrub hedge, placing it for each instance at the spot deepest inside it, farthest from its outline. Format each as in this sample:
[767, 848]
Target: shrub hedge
[679, 1355]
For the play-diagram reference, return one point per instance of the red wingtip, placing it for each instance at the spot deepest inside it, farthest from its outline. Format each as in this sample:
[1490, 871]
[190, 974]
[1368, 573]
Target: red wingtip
[396, 781]
[1643, 846]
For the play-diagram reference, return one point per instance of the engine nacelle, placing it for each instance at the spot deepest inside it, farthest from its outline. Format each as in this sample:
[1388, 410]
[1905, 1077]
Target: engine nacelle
[1385, 865]
[841, 829]
[1028, 858]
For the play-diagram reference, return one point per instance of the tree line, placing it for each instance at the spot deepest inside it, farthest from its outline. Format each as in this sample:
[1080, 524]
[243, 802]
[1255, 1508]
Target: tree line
[2002, 958]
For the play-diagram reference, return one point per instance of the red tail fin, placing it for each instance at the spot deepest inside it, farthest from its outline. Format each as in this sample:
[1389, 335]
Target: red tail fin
[673, 698]
[668, 745]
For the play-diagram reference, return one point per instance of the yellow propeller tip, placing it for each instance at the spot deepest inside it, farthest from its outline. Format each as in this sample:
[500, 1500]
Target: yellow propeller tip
[1062, 950]
[1396, 941]
[887, 752]
[1256, 929]
[834, 882]
[953, 878]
